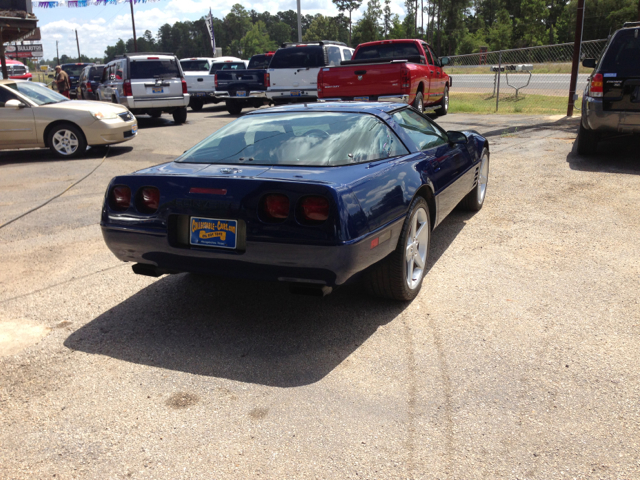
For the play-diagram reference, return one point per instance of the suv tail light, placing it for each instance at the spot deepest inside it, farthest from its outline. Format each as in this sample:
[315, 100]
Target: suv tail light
[313, 209]
[184, 87]
[126, 88]
[405, 78]
[319, 83]
[89, 89]
[275, 207]
[148, 199]
[120, 198]
[215, 80]
[595, 90]
[267, 80]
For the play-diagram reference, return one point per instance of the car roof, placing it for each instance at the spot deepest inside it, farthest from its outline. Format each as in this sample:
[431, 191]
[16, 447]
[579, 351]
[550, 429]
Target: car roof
[346, 107]
[8, 81]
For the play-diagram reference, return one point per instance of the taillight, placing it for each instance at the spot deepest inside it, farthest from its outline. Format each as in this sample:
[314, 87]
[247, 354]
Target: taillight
[319, 83]
[126, 89]
[184, 87]
[267, 80]
[148, 199]
[595, 90]
[405, 78]
[215, 80]
[275, 207]
[89, 89]
[313, 209]
[120, 198]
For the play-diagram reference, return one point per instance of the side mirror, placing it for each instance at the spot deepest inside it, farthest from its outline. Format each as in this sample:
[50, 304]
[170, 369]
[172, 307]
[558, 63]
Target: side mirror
[14, 104]
[457, 138]
[445, 61]
[589, 63]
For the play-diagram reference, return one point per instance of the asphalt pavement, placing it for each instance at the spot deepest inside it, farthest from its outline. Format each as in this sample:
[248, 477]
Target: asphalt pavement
[518, 360]
[553, 84]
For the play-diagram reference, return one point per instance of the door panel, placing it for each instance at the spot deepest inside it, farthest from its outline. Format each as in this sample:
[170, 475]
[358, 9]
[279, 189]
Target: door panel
[17, 127]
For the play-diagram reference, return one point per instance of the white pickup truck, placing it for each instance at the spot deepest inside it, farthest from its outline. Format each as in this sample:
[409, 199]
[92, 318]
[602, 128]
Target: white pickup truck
[200, 76]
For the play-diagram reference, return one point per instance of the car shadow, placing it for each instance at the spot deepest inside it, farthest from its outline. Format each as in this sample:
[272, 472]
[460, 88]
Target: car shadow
[12, 157]
[247, 331]
[615, 155]
[145, 122]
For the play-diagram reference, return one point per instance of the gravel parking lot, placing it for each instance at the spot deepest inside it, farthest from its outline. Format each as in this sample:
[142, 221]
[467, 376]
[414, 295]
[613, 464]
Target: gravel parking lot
[518, 360]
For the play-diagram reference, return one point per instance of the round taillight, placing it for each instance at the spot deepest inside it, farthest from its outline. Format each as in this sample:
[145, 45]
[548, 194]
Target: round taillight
[149, 199]
[275, 207]
[313, 209]
[120, 198]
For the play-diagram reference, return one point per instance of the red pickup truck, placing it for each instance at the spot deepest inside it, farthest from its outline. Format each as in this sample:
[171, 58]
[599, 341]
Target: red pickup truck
[406, 71]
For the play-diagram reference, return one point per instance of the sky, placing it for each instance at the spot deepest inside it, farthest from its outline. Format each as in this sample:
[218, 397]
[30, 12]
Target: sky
[100, 26]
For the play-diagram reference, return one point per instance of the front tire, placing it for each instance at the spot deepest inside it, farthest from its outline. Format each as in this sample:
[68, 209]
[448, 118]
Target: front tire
[180, 115]
[67, 141]
[475, 198]
[444, 103]
[418, 102]
[399, 275]
[587, 141]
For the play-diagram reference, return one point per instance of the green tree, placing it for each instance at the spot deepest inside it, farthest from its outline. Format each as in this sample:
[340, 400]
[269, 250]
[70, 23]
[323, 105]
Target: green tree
[348, 6]
[387, 18]
[531, 26]
[499, 35]
[322, 28]
[256, 41]
[397, 28]
[368, 28]
[237, 23]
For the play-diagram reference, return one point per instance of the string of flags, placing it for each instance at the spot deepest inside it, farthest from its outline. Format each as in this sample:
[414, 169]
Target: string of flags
[86, 3]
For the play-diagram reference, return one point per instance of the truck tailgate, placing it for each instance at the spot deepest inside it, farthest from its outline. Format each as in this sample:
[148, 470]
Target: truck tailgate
[200, 82]
[248, 80]
[361, 80]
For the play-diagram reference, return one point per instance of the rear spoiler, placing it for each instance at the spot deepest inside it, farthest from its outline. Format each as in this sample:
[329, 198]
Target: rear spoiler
[409, 59]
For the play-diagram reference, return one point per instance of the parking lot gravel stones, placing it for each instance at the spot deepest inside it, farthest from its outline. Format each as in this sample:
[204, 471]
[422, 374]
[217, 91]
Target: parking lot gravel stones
[518, 360]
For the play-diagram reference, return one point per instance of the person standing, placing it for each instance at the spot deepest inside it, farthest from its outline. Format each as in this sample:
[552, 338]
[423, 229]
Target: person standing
[62, 81]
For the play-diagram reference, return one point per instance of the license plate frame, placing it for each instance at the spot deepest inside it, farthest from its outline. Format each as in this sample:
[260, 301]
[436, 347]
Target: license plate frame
[241, 93]
[360, 99]
[157, 89]
[296, 93]
[213, 233]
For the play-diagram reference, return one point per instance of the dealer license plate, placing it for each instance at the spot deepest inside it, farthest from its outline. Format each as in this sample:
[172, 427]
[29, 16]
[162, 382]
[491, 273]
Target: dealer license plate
[134, 129]
[157, 90]
[361, 99]
[241, 93]
[296, 93]
[213, 232]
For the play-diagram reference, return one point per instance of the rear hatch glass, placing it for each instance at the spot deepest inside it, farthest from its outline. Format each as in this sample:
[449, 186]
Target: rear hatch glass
[141, 69]
[227, 66]
[259, 62]
[95, 74]
[195, 65]
[298, 57]
[73, 70]
[620, 68]
[387, 50]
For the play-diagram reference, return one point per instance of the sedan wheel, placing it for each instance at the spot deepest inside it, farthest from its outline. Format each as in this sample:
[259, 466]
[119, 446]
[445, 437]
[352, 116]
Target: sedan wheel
[67, 141]
[399, 275]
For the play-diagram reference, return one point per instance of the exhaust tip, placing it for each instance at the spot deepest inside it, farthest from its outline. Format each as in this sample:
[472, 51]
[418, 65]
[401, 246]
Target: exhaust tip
[310, 289]
[150, 270]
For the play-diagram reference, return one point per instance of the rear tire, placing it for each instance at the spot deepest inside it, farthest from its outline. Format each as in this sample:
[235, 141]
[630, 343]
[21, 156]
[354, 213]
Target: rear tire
[587, 141]
[180, 115]
[399, 275]
[475, 198]
[444, 103]
[418, 102]
[196, 105]
[234, 108]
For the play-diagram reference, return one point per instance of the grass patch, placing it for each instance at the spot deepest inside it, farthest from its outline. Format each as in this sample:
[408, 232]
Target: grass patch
[537, 68]
[525, 104]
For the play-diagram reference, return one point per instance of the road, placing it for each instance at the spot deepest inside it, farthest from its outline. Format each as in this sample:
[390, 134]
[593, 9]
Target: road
[554, 84]
[519, 358]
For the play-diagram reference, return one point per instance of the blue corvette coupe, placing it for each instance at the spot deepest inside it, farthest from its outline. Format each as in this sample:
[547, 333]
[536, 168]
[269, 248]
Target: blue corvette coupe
[309, 194]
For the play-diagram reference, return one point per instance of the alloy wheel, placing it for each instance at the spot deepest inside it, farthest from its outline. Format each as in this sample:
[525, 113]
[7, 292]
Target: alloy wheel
[416, 249]
[65, 142]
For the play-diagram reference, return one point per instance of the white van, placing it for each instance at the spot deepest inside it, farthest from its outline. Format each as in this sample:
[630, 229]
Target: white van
[293, 71]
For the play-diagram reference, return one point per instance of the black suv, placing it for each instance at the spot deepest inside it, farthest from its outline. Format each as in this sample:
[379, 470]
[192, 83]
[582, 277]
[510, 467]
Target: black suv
[74, 70]
[611, 101]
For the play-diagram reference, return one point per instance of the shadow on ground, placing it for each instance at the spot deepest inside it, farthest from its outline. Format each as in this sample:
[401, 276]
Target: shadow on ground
[12, 157]
[618, 155]
[247, 331]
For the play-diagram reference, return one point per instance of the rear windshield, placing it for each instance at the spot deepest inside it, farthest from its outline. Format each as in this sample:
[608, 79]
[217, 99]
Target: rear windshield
[623, 55]
[95, 74]
[232, 66]
[154, 69]
[73, 70]
[195, 65]
[259, 62]
[322, 139]
[387, 50]
[298, 57]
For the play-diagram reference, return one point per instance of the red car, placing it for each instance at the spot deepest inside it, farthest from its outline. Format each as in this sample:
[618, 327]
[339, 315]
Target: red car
[406, 71]
[17, 70]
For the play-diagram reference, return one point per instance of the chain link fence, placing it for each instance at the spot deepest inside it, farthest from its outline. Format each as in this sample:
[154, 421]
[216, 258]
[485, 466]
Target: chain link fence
[531, 80]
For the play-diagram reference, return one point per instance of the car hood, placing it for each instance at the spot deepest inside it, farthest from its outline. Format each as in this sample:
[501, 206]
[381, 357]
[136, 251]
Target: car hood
[87, 105]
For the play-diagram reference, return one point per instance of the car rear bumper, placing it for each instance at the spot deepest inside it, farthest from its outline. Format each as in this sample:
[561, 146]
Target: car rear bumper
[324, 265]
[306, 94]
[133, 103]
[596, 118]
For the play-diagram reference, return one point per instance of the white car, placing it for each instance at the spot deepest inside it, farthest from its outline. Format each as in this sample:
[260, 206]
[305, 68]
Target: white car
[294, 68]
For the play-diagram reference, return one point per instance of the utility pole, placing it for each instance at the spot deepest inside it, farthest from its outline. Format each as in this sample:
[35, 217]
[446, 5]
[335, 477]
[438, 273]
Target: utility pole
[3, 60]
[78, 44]
[422, 19]
[576, 57]
[299, 24]
[57, 53]
[133, 22]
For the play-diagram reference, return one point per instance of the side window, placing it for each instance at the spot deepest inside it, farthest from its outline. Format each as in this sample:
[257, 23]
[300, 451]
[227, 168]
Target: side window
[423, 133]
[5, 96]
[105, 74]
[347, 53]
[436, 60]
[333, 55]
[119, 70]
[428, 54]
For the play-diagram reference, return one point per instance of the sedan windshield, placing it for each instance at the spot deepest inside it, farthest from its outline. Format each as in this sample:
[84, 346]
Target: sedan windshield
[323, 139]
[37, 94]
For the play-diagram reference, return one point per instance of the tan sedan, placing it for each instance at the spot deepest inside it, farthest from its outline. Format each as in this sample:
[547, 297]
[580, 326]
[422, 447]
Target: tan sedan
[32, 116]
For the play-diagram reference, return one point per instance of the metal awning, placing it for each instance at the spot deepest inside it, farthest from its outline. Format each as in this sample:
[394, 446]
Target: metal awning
[14, 29]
